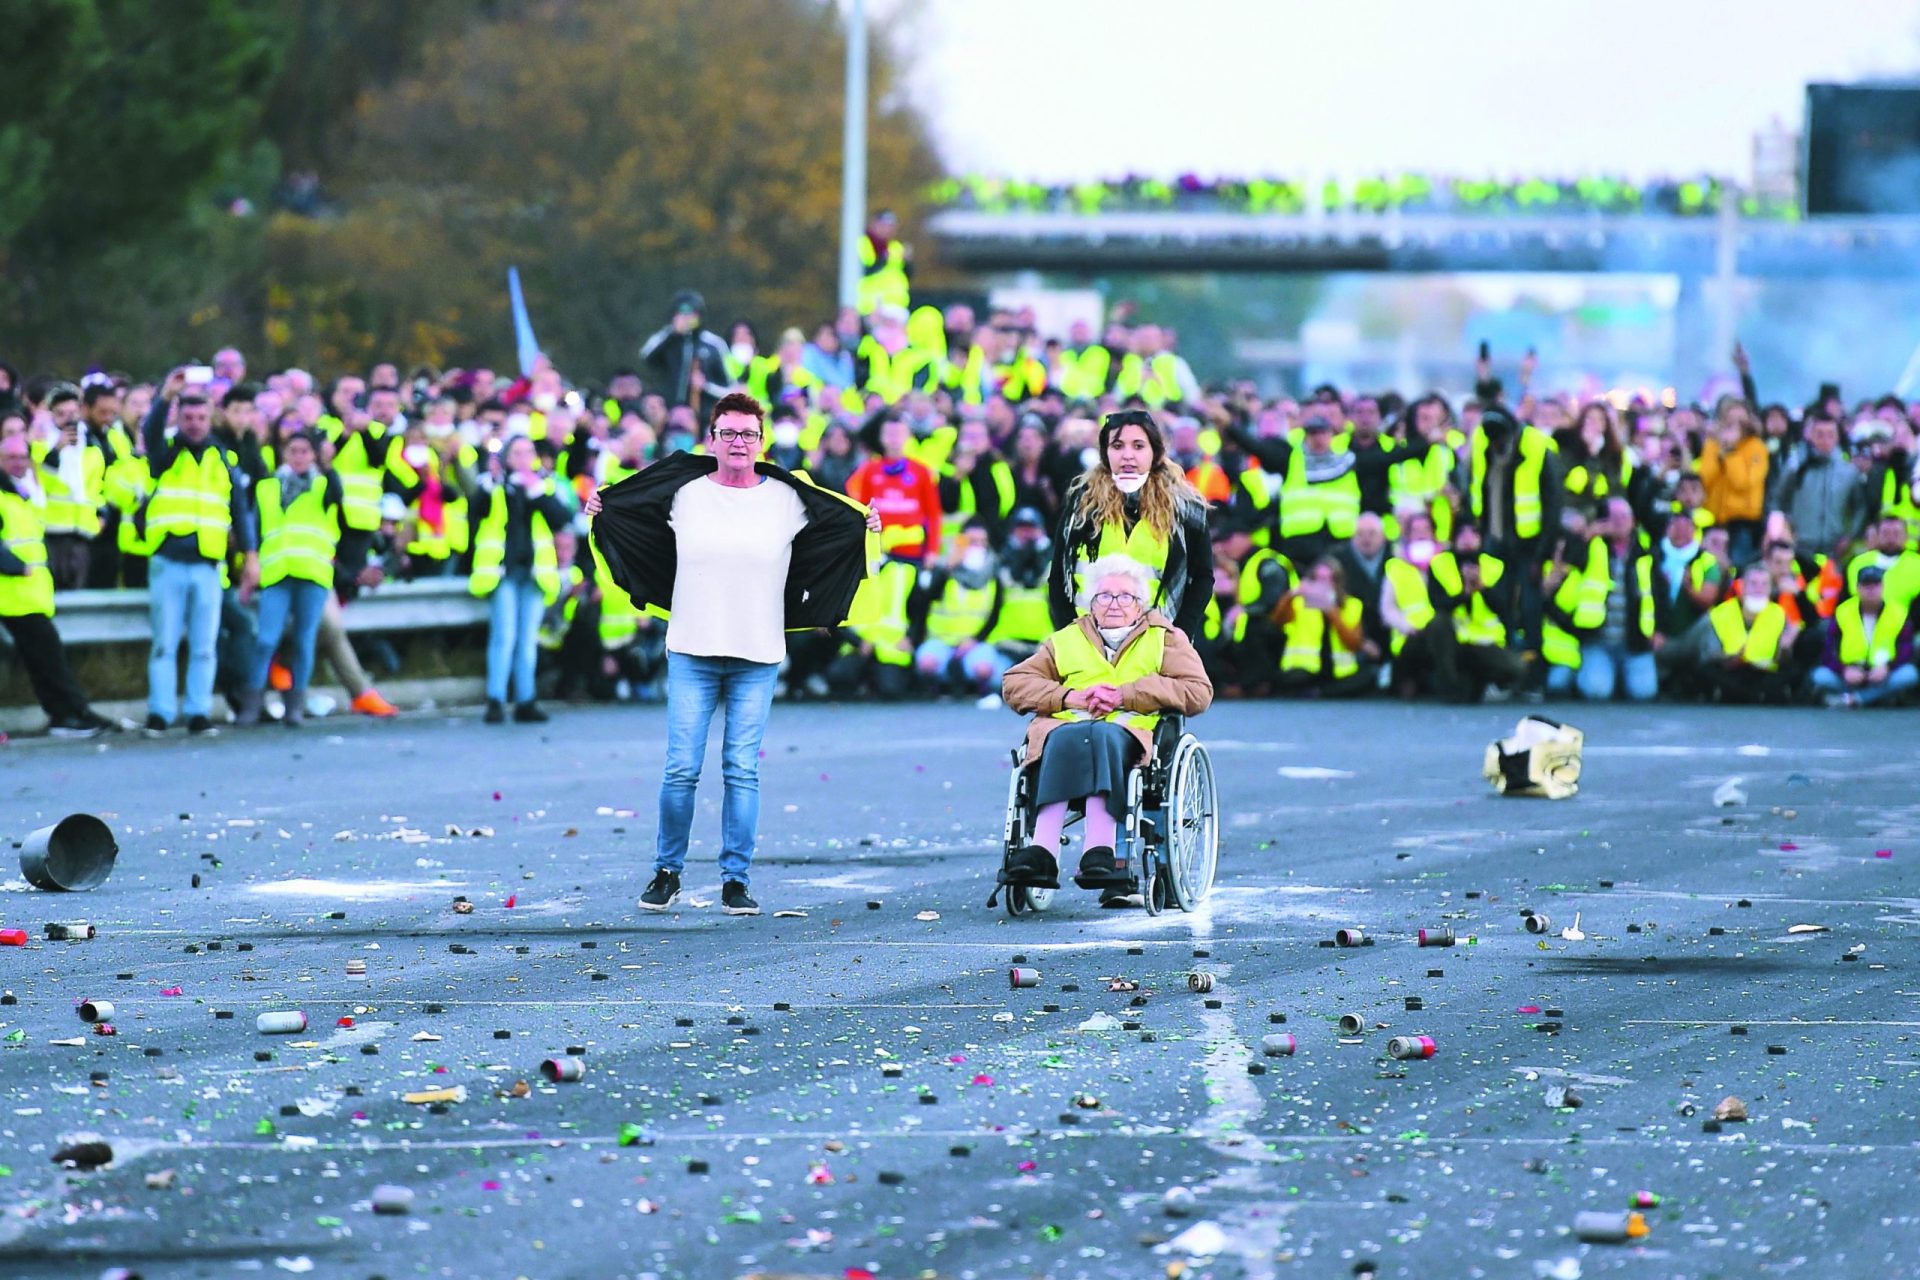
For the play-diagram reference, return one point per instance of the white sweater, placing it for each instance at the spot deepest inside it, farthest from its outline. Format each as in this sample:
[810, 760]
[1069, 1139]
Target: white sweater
[729, 588]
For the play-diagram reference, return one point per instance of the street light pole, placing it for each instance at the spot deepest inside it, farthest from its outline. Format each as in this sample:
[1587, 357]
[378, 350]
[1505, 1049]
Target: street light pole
[853, 155]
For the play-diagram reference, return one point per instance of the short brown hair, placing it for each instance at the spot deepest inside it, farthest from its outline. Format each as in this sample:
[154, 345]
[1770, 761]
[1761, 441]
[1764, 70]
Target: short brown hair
[737, 402]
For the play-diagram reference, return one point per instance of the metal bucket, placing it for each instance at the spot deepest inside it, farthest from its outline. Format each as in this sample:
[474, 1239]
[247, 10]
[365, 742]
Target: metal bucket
[74, 853]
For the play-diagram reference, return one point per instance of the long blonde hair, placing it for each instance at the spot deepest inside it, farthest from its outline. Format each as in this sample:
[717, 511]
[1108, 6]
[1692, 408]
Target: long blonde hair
[1098, 501]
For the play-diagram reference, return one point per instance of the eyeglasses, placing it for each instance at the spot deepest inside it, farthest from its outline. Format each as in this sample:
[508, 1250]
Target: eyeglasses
[727, 435]
[1116, 597]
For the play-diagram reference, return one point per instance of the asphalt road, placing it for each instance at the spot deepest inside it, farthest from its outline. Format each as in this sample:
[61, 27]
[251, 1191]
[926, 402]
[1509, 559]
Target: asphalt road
[1024, 1134]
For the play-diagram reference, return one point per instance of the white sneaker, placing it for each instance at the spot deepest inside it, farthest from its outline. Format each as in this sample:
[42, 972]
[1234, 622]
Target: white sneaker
[989, 703]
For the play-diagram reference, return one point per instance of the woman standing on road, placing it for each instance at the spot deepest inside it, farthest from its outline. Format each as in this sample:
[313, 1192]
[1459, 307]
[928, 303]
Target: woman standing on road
[1135, 502]
[740, 552]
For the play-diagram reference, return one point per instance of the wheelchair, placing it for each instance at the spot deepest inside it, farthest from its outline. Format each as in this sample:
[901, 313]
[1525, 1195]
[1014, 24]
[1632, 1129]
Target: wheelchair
[1170, 838]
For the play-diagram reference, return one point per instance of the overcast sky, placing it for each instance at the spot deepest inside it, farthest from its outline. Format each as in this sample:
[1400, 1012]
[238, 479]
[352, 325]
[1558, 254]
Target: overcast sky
[1064, 89]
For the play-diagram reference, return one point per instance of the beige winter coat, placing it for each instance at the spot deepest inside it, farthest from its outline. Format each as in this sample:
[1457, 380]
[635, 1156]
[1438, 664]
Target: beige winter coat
[1182, 688]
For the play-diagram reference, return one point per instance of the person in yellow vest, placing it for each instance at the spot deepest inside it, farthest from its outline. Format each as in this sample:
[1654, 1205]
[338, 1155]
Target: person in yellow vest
[785, 371]
[1466, 641]
[1096, 689]
[1424, 476]
[1323, 647]
[515, 511]
[1869, 654]
[1248, 644]
[1136, 502]
[125, 487]
[876, 655]
[880, 364]
[1514, 495]
[299, 507]
[197, 513]
[1023, 622]
[26, 603]
[1406, 602]
[1319, 491]
[1887, 548]
[885, 266]
[367, 456]
[1746, 654]
[72, 464]
[101, 403]
[975, 482]
[1898, 491]
[1611, 611]
[960, 603]
[438, 531]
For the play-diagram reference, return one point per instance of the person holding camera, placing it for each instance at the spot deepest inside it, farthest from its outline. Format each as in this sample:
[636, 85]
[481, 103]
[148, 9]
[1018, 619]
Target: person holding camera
[516, 509]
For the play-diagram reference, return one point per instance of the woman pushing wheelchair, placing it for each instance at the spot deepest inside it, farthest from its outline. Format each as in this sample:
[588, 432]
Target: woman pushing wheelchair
[1097, 689]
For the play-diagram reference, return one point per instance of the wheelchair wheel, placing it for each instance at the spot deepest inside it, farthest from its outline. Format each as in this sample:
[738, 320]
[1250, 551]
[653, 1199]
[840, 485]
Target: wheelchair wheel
[1193, 825]
[1020, 899]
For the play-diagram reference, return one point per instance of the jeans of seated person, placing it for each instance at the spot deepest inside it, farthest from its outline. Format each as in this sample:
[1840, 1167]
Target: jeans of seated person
[233, 652]
[513, 635]
[1603, 667]
[1560, 680]
[183, 600]
[980, 667]
[697, 688]
[303, 604]
[1899, 680]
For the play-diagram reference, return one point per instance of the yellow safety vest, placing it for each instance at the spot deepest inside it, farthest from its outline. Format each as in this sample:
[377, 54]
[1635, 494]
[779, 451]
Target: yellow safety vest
[1858, 647]
[1534, 446]
[490, 550]
[1142, 545]
[1256, 484]
[194, 499]
[66, 511]
[1596, 583]
[1305, 631]
[1410, 592]
[959, 613]
[1082, 665]
[1307, 508]
[1422, 479]
[1896, 499]
[966, 506]
[1476, 622]
[882, 281]
[297, 541]
[456, 534]
[125, 488]
[619, 616]
[1247, 590]
[1759, 643]
[891, 589]
[362, 461]
[23, 532]
[1024, 616]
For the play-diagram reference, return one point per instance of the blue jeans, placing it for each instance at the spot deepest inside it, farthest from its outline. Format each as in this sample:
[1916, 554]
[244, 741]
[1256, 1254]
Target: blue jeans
[696, 687]
[182, 599]
[306, 601]
[1601, 667]
[981, 668]
[1898, 681]
[513, 634]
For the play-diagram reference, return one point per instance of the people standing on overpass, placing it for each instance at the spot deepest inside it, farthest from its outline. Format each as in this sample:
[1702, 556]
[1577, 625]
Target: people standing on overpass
[1135, 501]
[738, 551]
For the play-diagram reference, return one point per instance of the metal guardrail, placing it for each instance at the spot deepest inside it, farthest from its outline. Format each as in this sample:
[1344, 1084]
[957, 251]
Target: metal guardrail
[120, 617]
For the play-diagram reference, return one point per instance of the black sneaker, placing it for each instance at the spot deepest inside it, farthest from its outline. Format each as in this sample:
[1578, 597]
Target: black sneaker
[736, 901]
[201, 727]
[529, 713]
[155, 727]
[105, 724]
[662, 892]
[496, 712]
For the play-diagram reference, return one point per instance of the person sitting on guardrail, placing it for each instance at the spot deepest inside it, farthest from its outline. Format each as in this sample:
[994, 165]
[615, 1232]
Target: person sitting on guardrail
[1095, 690]
[299, 506]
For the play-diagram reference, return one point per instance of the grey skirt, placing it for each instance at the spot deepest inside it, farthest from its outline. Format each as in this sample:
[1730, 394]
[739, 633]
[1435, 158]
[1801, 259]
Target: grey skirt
[1083, 757]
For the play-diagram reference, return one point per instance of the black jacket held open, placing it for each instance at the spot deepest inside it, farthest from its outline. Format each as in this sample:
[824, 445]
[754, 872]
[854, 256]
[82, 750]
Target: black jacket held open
[635, 538]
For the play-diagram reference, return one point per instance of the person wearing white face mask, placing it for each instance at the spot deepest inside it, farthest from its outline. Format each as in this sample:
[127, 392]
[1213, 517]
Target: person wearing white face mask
[962, 606]
[1136, 503]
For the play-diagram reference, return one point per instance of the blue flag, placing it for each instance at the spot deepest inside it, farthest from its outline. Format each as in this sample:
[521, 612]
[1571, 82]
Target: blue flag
[524, 343]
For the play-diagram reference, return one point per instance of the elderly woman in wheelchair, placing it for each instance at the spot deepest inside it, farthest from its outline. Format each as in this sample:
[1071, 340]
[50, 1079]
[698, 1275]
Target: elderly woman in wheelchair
[1105, 694]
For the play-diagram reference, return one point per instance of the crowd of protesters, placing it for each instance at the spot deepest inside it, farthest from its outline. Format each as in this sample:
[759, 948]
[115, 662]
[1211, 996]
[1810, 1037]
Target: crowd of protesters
[1507, 543]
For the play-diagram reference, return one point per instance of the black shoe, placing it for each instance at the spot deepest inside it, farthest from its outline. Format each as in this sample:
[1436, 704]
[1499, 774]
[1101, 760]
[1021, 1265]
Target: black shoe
[496, 712]
[156, 726]
[201, 727]
[73, 729]
[1034, 867]
[529, 713]
[1099, 869]
[736, 901]
[1115, 898]
[661, 892]
[105, 724]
